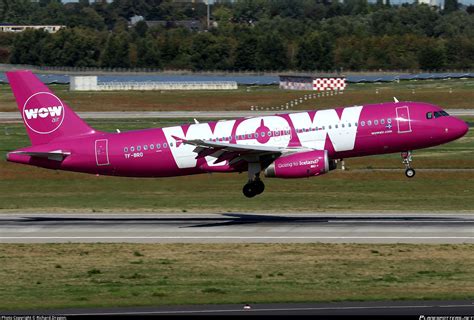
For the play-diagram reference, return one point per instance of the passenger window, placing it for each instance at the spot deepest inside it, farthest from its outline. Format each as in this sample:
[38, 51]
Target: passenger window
[429, 115]
[349, 124]
[171, 144]
[389, 120]
[165, 145]
[152, 146]
[158, 146]
[336, 126]
[369, 123]
[125, 149]
[342, 125]
[355, 124]
[382, 121]
[132, 149]
[362, 123]
[145, 147]
[329, 127]
[139, 148]
[376, 122]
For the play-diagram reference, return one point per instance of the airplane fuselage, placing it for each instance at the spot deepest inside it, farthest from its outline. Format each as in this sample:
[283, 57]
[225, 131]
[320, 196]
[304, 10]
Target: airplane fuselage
[344, 132]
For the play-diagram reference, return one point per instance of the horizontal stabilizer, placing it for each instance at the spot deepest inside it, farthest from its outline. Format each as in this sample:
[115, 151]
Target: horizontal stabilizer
[57, 155]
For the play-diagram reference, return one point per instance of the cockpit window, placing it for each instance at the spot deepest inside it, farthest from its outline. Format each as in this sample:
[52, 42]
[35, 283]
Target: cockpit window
[436, 114]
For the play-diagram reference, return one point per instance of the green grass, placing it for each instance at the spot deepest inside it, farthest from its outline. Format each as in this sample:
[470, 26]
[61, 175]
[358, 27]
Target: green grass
[30, 188]
[454, 93]
[105, 275]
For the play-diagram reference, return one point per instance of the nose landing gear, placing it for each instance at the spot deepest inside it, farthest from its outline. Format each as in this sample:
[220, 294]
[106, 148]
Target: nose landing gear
[407, 159]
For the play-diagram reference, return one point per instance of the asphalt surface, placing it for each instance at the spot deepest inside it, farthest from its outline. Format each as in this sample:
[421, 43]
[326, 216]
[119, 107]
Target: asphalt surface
[418, 308]
[325, 227]
[15, 116]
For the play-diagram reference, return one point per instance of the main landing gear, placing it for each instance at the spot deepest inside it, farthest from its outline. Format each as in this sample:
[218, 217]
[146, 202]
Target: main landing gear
[254, 186]
[407, 159]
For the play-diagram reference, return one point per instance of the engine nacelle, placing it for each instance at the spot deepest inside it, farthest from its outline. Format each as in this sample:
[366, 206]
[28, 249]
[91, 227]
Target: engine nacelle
[300, 165]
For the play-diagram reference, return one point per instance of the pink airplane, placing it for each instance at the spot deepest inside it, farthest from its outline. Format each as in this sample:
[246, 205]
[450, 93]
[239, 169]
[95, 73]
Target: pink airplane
[293, 145]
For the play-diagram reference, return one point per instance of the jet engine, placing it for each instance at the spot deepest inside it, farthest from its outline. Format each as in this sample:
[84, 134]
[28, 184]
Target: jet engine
[301, 165]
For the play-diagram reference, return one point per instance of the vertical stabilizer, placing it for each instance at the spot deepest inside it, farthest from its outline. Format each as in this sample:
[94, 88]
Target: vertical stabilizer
[46, 117]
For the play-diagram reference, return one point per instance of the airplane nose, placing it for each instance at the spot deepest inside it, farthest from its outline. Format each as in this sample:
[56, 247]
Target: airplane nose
[457, 128]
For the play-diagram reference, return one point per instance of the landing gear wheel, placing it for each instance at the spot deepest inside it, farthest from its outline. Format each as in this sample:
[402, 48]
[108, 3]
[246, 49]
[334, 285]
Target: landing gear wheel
[410, 173]
[250, 190]
[259, 186]
[253, 188]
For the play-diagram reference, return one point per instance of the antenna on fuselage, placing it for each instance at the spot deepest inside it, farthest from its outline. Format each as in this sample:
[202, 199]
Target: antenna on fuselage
[195, 121]
[395, 99]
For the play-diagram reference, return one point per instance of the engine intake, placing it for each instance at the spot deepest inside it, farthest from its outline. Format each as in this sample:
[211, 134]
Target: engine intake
[300, 165]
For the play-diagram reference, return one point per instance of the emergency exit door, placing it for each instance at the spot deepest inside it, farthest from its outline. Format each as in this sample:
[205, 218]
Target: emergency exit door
[403, 119]
[102, 152]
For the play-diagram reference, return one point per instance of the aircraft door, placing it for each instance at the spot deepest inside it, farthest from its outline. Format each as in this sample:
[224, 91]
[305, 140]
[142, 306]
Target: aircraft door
[102, 152]
[403, 119]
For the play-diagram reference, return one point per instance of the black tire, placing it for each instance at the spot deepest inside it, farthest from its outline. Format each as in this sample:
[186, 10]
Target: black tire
[410, 173]
[259, 186]
[249, 190]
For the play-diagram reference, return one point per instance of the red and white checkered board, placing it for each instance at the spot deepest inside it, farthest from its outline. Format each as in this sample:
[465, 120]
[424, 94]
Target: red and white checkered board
[323, 84]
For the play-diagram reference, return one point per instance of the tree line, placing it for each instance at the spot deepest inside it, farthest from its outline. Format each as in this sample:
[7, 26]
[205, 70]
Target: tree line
[253, 35]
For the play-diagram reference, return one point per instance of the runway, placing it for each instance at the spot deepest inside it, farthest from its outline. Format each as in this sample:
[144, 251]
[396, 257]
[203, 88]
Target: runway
[15, 116]
[418, 308]
[324, 227]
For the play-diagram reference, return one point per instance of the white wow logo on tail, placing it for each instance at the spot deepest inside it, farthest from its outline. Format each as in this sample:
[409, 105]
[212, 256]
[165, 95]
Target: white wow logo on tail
[43, 112]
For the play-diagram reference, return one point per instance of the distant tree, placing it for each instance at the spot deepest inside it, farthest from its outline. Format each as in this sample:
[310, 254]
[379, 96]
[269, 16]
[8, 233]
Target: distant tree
[4, 55]
[450, 6]
[246, 53]
[141, 28]
[149, 53]
[28, 47]
[72, 47]
[470, 9]
[116, 52]
[271, 53]
[209, 52]
[432, 57]
[16, 11]
[310, 53]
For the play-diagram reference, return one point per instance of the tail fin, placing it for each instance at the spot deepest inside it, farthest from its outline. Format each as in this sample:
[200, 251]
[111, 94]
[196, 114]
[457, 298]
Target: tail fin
[46, 117]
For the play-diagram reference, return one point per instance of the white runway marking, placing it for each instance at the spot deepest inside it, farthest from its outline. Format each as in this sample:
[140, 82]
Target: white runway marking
[268, 310]
[233, 237]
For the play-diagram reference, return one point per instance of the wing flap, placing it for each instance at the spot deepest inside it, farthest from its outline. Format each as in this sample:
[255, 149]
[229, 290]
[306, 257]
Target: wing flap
[235, 147]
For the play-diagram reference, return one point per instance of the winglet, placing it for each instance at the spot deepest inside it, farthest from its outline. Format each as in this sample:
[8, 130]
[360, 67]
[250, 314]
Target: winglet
[396, 100]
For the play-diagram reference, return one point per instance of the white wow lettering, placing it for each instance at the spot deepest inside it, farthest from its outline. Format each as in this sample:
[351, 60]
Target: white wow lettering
[53, 111]
[270, 130]
[342, 140]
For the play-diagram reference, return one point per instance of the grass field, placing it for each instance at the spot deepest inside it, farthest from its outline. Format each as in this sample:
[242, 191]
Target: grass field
[45, 276]
[446, 93]
[29, 188]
